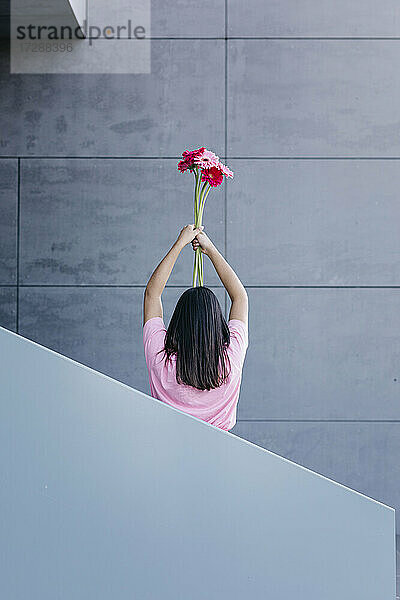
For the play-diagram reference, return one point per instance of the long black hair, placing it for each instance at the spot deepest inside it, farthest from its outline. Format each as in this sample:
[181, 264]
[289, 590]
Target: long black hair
[198, 335]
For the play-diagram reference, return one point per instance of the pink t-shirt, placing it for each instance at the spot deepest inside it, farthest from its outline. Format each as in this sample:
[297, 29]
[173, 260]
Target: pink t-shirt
[216, 406]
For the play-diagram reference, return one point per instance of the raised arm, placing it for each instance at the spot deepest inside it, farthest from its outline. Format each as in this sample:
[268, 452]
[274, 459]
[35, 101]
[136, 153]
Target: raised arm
[152, 306]
[231, 282]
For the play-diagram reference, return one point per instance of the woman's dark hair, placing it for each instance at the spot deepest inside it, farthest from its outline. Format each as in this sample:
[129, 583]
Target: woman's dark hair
[199, 336]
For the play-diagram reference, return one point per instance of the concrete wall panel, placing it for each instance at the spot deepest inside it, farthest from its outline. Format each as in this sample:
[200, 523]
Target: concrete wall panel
[322, 353]
[108, 221]
[313, 98]
[8, 220]
[306, 18]
[319, 222]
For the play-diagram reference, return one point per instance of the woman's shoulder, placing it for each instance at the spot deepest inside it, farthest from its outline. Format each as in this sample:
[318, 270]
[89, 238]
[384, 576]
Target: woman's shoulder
[238, 328]
[154, 321]
[153, 336]
[239, 341]
[153, 324]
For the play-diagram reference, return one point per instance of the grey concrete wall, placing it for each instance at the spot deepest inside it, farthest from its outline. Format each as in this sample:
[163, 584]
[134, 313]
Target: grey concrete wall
[303, 100]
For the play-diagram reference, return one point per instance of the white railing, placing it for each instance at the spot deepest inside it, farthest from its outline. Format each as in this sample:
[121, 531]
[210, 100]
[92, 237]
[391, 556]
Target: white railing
[107, 494]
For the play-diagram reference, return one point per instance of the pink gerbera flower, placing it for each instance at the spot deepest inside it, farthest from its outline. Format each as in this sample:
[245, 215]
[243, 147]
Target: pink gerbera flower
[226, 171]
[206, 160]
[213, 176]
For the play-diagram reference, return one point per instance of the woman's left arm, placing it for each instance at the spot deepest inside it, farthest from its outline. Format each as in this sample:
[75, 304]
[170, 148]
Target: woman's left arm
[152, 306]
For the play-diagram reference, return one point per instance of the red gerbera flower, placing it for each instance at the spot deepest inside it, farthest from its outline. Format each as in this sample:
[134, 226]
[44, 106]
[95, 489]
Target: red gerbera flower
[214, 176]
[190, 155]
[183, 166]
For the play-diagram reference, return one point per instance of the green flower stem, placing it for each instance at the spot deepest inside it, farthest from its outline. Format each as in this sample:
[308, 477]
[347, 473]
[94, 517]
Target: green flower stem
[204, 195]
[199, 203]
[203, 202]
[200, 197]
[201, 264]
[196, 194]
[196, 216]
[198, 266]
[199, 257]
[194, 271]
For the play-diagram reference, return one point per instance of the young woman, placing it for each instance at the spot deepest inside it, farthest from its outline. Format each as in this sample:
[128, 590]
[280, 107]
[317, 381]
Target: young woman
[196, 364]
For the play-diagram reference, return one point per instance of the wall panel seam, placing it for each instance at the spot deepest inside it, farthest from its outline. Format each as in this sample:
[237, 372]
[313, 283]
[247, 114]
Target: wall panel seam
[227, 157]
[177, 285]
[18, 240]
[261, 38]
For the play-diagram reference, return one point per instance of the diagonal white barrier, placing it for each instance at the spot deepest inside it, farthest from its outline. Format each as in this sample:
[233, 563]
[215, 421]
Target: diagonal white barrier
[107, 494]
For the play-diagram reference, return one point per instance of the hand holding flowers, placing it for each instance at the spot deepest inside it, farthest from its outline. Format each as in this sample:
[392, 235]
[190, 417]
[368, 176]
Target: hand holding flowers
[202, 242]
[188, 234]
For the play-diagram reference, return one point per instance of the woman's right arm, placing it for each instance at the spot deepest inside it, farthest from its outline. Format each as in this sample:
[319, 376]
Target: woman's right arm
[231, 282]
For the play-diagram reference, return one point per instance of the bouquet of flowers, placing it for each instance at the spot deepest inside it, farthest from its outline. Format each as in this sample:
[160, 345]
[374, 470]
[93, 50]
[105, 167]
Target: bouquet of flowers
[208, 172]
